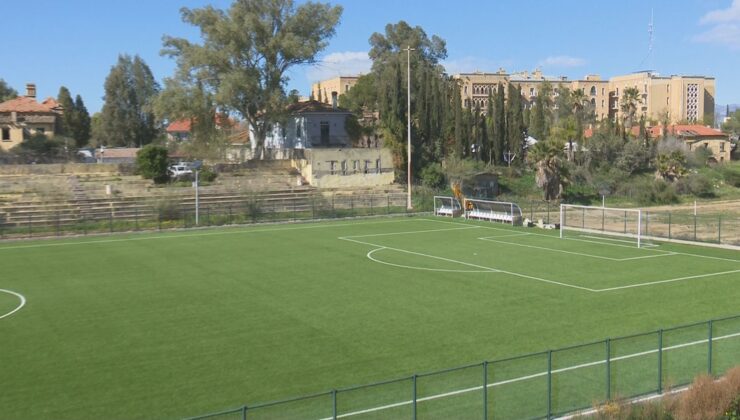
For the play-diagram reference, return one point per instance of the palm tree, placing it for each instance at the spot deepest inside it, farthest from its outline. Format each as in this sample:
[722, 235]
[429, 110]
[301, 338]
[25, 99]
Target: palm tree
[580, 102]
[546, 156]
[630, 100]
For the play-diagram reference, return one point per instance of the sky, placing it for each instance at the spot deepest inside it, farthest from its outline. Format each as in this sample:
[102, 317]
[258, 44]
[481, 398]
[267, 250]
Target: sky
[74, 43]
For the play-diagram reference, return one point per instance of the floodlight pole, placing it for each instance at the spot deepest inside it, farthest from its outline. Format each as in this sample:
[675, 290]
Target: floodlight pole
[197, 201]
[408, 121]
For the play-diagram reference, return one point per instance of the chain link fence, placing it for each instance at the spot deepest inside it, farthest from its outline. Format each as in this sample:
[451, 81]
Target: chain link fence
[536, 386]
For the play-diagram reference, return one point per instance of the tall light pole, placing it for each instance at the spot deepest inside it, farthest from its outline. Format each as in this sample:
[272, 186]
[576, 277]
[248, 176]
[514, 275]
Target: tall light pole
[408, 121]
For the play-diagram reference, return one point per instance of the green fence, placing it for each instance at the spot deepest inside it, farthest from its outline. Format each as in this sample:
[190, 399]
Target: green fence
[534, 386]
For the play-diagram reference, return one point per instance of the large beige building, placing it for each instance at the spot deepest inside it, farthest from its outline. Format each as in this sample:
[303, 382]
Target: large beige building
[683, 98]
[323, 90]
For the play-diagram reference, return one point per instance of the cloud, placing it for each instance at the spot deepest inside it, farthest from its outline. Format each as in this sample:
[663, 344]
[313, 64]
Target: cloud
[471, 64]
[347, 63]
[562, 61]
[724, 27]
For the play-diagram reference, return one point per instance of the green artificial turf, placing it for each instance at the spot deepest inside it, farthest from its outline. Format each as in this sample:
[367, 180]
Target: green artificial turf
[185, 323]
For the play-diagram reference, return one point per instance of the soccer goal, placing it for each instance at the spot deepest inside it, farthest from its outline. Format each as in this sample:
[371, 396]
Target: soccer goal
[447, 206]
[494, 211]
[615, 225]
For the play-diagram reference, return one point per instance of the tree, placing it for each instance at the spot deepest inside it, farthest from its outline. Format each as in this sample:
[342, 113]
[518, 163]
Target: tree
[247, 51]
[499, 140]
[82, 123]
[75, 121]
[490, 127]
[151, 163]
[429, 99]
[537, 118]
[66, 122]
[546, 156]
[629, 103]
[6, 92]
[127, 117]
[514, 122]
[732, 126]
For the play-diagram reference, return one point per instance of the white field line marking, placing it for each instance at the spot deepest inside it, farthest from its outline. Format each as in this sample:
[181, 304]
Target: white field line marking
[408, 232]
[370, 256]
[644, 245]
[513, 235]
[698, 276]
[241, 230]
[527, 377]
[18, 308]
[472, 265]
[602, 243]
[491, 239]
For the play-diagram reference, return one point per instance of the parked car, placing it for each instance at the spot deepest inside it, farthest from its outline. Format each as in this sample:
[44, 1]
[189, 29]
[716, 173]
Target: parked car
[179, 171]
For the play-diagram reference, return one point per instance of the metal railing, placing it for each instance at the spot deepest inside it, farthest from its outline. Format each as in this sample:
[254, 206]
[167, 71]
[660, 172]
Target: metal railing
[538, 385]
[127, 216]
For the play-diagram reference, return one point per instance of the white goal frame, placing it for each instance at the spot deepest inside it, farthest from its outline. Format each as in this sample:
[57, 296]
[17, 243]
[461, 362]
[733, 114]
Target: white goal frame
[454, 210]
[564, 208]
[506, 212]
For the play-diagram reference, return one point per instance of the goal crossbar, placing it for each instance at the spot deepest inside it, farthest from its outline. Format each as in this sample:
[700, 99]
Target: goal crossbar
[620, 222]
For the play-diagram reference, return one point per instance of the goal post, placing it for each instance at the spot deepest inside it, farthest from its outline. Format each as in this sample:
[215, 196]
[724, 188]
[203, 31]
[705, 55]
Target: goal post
[447, 206]
[494, 211]
[617, 224]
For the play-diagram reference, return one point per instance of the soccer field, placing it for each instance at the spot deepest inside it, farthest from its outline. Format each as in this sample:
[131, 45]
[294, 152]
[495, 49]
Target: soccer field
[179, 324]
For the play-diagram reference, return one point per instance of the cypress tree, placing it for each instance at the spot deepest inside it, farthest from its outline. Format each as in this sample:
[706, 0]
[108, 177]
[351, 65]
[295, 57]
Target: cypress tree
[490, 128]
[81, 131]
[499, 141]
[66, 122]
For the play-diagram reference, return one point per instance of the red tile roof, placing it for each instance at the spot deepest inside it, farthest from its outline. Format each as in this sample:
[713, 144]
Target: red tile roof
[25, 104]
[180, 126]
[185, 125]
[681, 130]
[313, 106]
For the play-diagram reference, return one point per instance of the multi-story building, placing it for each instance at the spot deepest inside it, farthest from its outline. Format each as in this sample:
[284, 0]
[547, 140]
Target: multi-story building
[683, 98]
[325, 89]
[23, 117]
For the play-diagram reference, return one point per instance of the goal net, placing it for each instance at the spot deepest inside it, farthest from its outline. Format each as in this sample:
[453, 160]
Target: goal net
[615, 225]
[494, 211]
[447, 206]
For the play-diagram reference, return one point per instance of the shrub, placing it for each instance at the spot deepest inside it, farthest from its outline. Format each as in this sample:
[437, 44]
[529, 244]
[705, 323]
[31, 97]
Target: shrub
[207, 174]
[654, 192]
[433, 176]
[697, 185]
[151, 163]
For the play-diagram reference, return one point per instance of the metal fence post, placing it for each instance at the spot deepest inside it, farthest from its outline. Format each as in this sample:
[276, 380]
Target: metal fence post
[625, 221]
[110, 220]
[719, 229]
[413, 378]
[334, 404]
[660, 361]
[485, 390]
[388, 204]
[159, 219]
[694, 227]
[244, 413]
[669, 225]
[549, 384]
[608, 369]
[647, 223]
[709, 348]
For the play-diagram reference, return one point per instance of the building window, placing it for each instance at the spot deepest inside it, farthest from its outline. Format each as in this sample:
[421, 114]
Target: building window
[617, 92]
[298, 130]
[325, 137]
[346, 88]
[6, 134]
[355, 166]
[531, 91]
[602, 103]
[344, 167]
[377, 166]
[722, 146]
[593, 90]
[333, 167]
[602, 91]
[40, 130]
[366, 169]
